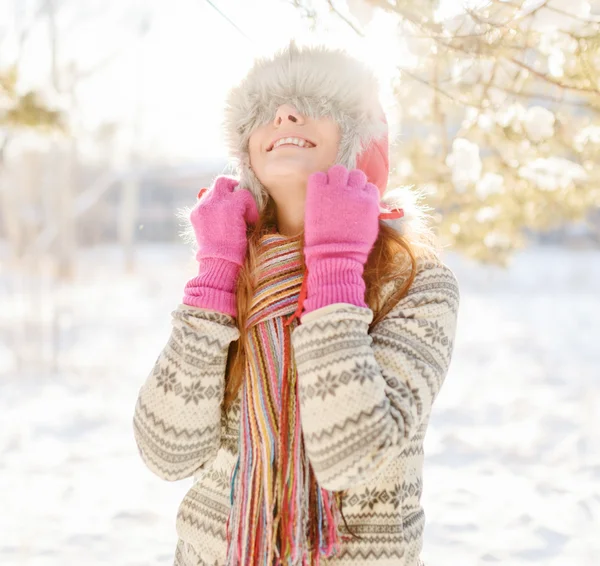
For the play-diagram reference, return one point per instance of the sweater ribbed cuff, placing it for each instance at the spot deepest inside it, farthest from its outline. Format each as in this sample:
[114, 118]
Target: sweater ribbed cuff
[334, 280]
[214, 287]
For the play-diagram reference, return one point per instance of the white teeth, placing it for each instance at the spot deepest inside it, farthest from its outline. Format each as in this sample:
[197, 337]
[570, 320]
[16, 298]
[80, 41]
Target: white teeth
[295, 141]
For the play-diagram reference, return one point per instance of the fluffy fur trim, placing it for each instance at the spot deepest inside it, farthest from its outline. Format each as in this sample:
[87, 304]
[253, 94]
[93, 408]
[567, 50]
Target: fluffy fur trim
[318, 81]
[415, 225]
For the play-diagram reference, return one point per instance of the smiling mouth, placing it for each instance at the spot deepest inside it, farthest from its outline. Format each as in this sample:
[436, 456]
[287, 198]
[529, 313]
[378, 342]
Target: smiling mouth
[291, 142]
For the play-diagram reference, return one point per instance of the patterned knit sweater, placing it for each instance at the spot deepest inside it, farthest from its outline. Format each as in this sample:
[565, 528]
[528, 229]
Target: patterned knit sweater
[365, 399]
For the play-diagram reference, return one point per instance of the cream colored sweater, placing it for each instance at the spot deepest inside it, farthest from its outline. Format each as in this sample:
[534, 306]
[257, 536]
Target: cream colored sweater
[365, 401]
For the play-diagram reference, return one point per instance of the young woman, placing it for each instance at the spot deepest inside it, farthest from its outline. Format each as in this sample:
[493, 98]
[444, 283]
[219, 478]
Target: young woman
[298, 381]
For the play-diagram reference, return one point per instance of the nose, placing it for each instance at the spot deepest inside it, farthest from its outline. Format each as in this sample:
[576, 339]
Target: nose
[287, 113]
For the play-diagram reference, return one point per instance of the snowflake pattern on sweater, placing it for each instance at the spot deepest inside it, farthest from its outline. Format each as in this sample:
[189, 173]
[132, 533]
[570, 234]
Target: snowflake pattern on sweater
[365, 401]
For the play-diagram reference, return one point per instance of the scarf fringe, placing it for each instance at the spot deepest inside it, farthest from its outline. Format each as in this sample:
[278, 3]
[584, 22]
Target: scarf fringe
[280, 515]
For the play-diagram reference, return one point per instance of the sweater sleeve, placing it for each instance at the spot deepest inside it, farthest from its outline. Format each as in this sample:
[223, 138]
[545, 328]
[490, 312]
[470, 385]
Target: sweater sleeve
[177, 417]
[364, 396]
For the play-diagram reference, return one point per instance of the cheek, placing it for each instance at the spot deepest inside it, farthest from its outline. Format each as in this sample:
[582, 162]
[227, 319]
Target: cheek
[333, 144]
[256, 142]
[256, 159]
[253, 149]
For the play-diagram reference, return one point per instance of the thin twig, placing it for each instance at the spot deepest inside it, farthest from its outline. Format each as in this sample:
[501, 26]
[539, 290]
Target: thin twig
[227, 19]
[344, 18]
[438, 115]
[433, 87]
[547, 79]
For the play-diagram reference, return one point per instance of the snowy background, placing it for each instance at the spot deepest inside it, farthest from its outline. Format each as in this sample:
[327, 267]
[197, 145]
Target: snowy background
[512, 473]
[110, 120]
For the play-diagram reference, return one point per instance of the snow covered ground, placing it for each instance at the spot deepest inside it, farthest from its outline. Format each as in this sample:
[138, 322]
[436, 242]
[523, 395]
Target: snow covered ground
[512, 456]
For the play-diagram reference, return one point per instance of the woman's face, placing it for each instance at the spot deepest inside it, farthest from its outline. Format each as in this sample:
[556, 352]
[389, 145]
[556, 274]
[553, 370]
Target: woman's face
[284, 152]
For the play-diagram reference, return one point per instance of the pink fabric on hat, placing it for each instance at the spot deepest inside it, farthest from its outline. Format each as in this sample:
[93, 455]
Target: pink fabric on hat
[374, 162]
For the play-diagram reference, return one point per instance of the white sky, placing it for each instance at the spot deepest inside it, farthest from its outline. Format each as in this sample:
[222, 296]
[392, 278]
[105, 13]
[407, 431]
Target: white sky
[173, 81]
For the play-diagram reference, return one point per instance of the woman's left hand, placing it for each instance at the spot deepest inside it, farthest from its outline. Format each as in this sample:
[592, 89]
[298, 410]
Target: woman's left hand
[341, 224]
[341, 214]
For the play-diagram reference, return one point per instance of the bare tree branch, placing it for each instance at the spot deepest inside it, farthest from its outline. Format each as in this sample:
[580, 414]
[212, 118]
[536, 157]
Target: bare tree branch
[333, 9]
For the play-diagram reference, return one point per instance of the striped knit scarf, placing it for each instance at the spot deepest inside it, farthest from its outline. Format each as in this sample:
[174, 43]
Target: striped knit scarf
[279, 514]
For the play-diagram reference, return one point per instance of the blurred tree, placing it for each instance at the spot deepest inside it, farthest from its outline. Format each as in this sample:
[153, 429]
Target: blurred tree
[60, 24]
[18, 112]
[499, 111]
[23, 110]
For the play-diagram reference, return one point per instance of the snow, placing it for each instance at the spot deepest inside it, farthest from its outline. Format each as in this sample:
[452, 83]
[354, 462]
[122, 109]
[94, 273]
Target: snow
[487, 213]
[538, 123]
[465, 163]
[485, 121]
[511, 115]
[512, 454]
[552, 173]
[361, 10]
[588, 135]
[558, 46]
[512, 464]
[489, 184]
[418, 45]
[497, 239]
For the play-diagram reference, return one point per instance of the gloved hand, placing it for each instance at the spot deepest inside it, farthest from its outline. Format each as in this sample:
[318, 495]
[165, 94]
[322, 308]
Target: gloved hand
[220, 221]
[341, 225]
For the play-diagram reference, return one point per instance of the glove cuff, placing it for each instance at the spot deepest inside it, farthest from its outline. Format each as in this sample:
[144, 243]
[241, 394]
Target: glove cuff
[334, 280]
[214, 287]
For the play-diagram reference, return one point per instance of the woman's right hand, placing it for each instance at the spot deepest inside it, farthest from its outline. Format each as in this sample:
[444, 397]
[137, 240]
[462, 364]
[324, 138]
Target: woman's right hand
[220, 221]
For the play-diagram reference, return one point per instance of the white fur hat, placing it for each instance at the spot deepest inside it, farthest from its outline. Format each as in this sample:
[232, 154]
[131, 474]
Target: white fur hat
[317, 81]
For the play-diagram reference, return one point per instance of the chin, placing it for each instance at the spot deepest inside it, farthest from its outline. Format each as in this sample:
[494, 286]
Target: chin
[288, 173]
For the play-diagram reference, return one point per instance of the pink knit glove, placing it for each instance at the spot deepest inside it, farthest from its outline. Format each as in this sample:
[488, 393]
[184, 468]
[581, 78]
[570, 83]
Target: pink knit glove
[219, 221]
[341, 224]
